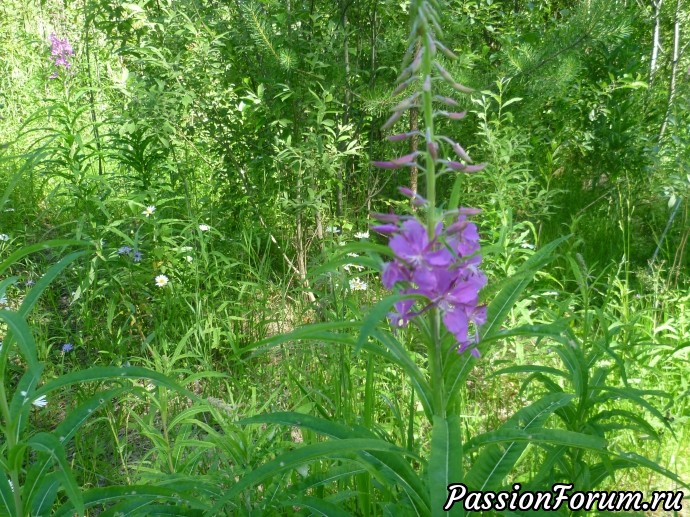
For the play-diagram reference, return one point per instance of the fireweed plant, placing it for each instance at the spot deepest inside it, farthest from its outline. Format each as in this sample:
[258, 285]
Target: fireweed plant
[443, 302]
[60, 52]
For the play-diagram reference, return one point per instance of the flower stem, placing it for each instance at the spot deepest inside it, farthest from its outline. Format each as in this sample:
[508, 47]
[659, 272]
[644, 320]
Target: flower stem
[434, 351]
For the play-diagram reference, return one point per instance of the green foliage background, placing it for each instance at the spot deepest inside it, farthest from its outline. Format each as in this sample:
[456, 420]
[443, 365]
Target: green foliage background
[260, 118]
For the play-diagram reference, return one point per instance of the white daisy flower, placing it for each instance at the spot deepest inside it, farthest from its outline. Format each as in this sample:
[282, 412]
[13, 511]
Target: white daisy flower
[149, 210]
[162, 280]
[357, 285]
[4, 237]
[204, 227]
[362, 235]
[41, 401]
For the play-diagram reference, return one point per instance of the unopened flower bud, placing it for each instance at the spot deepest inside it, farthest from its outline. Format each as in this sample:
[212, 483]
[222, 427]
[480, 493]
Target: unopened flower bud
[449, 101]
[461, 152]
[392, 120]
[446, 51]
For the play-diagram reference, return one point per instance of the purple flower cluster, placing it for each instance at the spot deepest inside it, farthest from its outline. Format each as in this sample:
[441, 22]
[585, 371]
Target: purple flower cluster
[127, 250]
[444, 269]
[60, 51]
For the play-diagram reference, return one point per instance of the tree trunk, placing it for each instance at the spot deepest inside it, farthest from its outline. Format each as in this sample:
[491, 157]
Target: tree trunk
[674, 70]
[656, 39]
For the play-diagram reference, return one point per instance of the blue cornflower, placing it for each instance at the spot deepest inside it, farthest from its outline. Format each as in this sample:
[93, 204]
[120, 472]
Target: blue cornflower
[124, 250]
[67, 347]
[136, 257]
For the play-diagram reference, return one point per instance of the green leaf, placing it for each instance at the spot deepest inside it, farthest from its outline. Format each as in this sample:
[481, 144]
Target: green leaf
[22, 334]
[402, 358]
[649, 464]
[64, 432]
[334, 449]
[398, 468]
[494, 463]
[635, 395]
[550, 436]
[45, 442]
[112, 494]
[6, 495]
[27, 250]
[445, 462]
[111, 373]
[374, 317]
[500, 306]
[531, 368]
[45, 495]
[32, 296]
[22, 399]
[317, 506]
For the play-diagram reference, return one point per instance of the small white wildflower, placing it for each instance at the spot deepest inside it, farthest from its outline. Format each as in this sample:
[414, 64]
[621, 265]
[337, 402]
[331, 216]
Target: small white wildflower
[4, 237]
[204, 227]
[186, 248]
[9, 209]
[189, 258]
[362, 235]
[357, 285]
[41, 401]
[527, 245]
[332, 229]
[3, 300]
[352, 255]
[550, 293]
[149, 210]
[162, 280]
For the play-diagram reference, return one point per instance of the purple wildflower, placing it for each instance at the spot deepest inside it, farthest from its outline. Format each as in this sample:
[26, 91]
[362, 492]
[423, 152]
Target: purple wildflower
[136, 256]
[444, 269]
[60, 51]
[124, 250]
[67, 347]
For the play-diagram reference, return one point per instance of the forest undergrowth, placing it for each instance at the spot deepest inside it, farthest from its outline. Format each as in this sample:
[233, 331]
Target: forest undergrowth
[240, 274]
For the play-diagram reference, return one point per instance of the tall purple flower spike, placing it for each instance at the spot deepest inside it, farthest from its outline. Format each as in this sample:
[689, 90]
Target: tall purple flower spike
[444, 270]
[60, 51]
